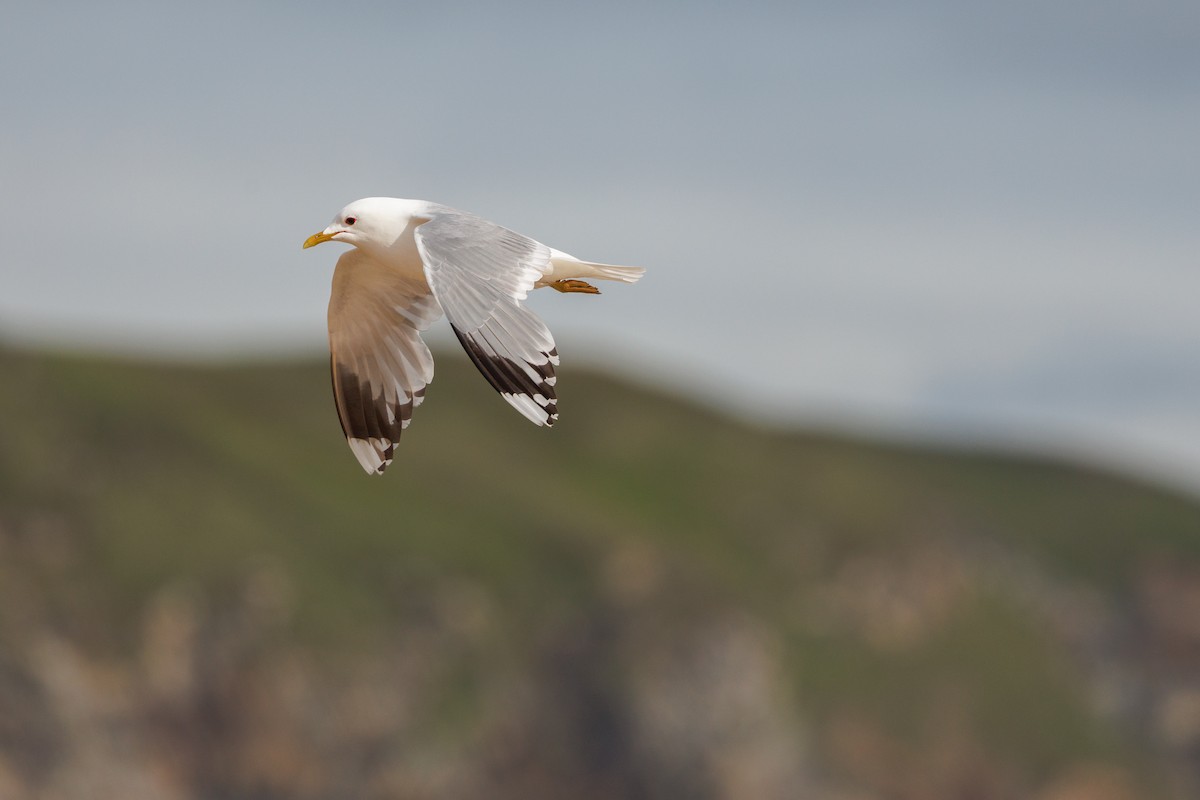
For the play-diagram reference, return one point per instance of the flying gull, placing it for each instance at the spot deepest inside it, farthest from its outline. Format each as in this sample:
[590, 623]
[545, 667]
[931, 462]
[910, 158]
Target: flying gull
[412, 261]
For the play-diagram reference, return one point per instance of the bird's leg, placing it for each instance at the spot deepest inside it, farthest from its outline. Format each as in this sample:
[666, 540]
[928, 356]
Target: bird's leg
[572, 285]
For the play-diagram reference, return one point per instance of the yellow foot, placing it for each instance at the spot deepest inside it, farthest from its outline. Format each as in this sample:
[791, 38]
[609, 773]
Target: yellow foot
[575, 286]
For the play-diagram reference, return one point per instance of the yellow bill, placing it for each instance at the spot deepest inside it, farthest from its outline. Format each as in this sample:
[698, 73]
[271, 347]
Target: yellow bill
[316, 239]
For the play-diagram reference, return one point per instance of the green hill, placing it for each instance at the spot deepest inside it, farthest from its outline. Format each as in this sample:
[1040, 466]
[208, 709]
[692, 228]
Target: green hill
[202, 595]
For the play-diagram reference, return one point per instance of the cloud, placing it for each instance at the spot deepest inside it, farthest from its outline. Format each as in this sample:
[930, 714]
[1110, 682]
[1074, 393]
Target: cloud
[889, 209]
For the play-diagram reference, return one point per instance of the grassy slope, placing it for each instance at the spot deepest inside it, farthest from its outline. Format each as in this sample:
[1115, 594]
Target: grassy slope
[160, 472]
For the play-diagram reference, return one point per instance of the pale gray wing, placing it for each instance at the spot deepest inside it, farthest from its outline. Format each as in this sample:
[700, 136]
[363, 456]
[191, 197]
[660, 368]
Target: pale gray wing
[480, 273]
[379, 364]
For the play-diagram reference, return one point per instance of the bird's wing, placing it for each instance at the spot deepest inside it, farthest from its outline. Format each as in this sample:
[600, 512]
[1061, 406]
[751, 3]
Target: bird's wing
[380, 365]
[480, 273]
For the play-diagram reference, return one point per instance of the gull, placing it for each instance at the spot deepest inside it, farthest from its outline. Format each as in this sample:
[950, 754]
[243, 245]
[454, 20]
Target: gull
[412, 261]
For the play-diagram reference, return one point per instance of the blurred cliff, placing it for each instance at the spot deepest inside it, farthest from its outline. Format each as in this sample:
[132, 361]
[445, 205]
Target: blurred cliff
[202, 596]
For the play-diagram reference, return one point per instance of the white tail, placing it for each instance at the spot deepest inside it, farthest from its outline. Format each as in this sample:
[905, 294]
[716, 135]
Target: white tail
[611, 272]
[564, 266]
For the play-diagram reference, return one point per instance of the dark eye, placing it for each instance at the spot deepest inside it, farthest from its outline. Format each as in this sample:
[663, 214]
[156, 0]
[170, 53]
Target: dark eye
[351, 220]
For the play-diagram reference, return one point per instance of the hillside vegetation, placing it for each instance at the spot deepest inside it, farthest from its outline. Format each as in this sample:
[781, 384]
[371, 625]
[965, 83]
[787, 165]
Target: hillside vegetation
[203, 596]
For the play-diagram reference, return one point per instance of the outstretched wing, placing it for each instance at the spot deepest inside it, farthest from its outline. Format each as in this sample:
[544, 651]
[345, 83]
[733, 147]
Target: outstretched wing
[380, 365]
[480, 273]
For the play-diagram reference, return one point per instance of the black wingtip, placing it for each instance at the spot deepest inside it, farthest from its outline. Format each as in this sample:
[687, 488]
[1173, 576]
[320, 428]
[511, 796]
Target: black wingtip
[510, 378]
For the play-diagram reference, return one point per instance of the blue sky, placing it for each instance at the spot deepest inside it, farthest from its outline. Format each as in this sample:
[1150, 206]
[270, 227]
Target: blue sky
[970, 220]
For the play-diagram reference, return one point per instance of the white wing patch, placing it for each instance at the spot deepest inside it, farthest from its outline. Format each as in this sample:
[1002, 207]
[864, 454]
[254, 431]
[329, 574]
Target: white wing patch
[379, 364]
[480, 273]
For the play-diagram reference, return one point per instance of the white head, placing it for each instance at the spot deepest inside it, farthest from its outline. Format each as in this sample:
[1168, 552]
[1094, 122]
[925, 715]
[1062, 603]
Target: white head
[367, 223]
